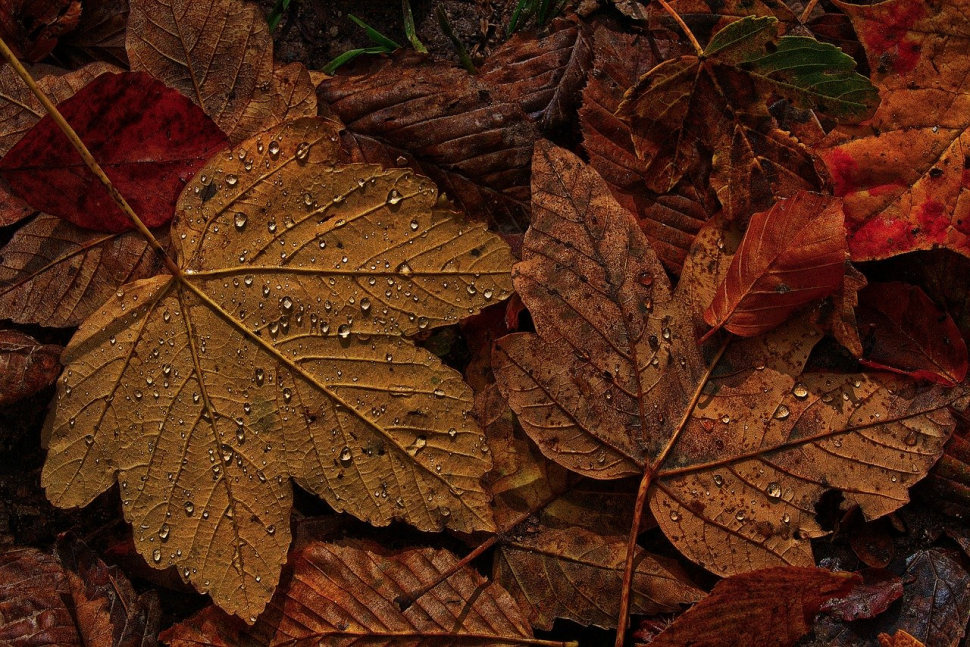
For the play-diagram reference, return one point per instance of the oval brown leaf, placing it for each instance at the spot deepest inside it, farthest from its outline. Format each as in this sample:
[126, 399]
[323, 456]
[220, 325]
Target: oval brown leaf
[773, 606]
[279, 352]
[55, 274]
[603, 385]
[26, 365]
[791, 255]
[345, 594]
[577, 574]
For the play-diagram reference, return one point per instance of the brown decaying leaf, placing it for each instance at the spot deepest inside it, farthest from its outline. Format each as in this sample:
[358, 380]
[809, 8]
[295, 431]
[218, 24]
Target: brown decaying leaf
[99, 35]
[26, 365]
[902, 330]
[602, 385]
[935, 606]
[218, 53]
[31, 27]
[295, 95]
[899, 639]
[74, 600]
[55, 274]
[791, 255]
[773, 606]
[839, 318]
[444, 123]
[903, 174]
[669, 220]
[577, 574]
[279, 353]
[345, 595]
[544, 75]
[947, 487]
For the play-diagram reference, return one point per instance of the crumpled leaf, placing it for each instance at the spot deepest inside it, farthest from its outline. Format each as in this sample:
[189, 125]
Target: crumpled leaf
[774, 606]
[444, 123]
[55, 274]
[671, 220]
[577, 574]
[791, 255]
[947, 487]
[612, 368]
[31, 27]
[74, 600]
[217, 53]
[344, 595]
[279, 352]
[879, 589]
[902, 330]
[544, 75]
[719, 101]
[903, 175]
[26, 365]
[148, 138]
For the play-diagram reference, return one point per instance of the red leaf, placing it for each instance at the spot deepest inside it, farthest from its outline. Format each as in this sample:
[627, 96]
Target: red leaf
[878, 590]
[148, 138]
[791, 255]
[902, 330]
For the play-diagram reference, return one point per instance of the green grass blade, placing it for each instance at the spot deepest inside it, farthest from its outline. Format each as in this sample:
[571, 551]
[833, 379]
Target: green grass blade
[351, 54]
[409, 29]
[376, 37]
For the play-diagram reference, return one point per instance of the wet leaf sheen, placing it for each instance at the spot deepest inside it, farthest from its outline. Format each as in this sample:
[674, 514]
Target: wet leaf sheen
[278, 353]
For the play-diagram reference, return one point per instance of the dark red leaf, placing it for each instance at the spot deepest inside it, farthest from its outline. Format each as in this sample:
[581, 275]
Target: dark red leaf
[31, 27]
[148, 138]
[33, 612]
[904, 331]
[878, 590]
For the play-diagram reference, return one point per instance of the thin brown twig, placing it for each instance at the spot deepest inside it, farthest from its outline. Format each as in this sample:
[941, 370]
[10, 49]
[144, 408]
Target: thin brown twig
[645, 483]
[808, 9]
[683, 26]
[89, 160]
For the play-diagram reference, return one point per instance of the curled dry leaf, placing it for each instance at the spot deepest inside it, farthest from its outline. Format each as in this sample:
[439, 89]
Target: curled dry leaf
[279, 352]
[669, 220]
[577, 574]
[903, 175]
[904, 331]
[26, 365]
[544, 75]
[604, 383]
[345, 595]
[148, 138]
[446, 124]
[217, 53]
[774, 606]
[791, 255]
[55, 274]
[719, 100]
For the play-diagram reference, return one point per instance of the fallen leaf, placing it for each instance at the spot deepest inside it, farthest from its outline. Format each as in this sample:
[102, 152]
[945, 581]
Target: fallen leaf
[718, 100]
[669, 220]
[345, 594]
[903, 175]
[99, 35]
[218, 53]
[935, 604]
[947, 486]
[872, 543]
[544, 75]
[148, 138]
[31, 27]
[791, 255]
[74, 600]
[773, 606]
[55, 274]
[840, 320]
[877, 591]
[902, 330]
[444, 123]
[899, 639]
[612, 369]
[577, 574]
[26, 365]
[282, 355]
[295, 95]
